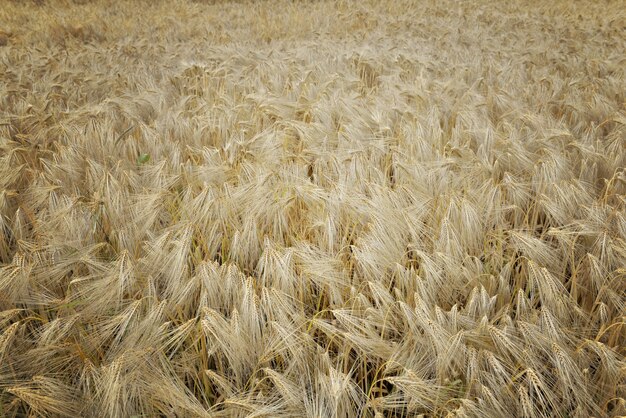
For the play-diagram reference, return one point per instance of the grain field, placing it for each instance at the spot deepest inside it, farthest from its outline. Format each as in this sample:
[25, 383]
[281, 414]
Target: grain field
[312, 208]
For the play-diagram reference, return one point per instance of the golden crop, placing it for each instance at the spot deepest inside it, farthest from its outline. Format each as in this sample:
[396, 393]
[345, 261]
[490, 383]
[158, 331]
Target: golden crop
[312, 209]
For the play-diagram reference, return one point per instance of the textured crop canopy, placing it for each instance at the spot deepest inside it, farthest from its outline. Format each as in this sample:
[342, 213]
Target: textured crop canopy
[332, 208]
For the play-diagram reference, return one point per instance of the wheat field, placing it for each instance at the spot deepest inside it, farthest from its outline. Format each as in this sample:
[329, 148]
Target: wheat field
[312, 209]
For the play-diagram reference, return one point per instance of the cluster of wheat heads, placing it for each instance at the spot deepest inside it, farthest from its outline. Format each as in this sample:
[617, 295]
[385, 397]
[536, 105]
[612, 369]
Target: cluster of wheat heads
[324, 209]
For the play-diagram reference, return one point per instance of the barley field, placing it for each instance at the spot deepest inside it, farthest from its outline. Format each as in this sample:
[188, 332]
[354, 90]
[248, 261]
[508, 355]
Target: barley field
[312, 209]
